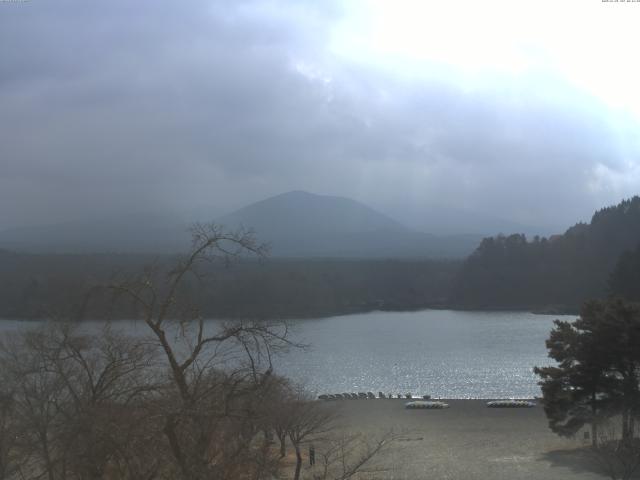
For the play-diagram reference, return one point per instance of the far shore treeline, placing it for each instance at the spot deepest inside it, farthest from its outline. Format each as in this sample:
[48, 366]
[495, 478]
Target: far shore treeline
[552, 275]
[40, 286]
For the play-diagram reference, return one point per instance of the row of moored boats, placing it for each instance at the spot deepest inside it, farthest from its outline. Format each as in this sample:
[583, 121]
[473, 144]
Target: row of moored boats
[423, 402]
[367, 396]
[420, 404]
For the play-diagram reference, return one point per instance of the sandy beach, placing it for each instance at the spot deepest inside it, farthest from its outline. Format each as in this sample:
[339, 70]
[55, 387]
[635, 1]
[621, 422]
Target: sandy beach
[467, 441]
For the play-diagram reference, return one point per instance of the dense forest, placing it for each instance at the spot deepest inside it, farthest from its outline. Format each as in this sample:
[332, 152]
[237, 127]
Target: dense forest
[505, 272]
[37, 286]
[625, 279]
[558, 273]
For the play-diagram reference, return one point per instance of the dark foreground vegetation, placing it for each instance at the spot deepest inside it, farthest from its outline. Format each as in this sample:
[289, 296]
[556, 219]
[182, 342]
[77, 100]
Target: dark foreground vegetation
[596, 382]
[178, 402]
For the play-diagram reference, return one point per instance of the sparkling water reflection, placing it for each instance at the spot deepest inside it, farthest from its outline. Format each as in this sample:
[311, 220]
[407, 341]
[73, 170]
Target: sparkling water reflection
[445, 353]
[448, 354]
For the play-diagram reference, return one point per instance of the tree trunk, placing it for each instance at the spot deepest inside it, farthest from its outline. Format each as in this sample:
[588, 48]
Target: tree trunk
[630, 388]
[169, 431]
[47, 456]
[594, 421]
[267, 437]
[283, 447]
[625, 423]
[298, 463]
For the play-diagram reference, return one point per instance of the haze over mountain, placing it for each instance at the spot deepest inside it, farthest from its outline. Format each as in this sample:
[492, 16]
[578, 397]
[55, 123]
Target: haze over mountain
[304, 224]
[135, 233]
[163, 105]
[296, 224]
[313, 214]
[446, 220]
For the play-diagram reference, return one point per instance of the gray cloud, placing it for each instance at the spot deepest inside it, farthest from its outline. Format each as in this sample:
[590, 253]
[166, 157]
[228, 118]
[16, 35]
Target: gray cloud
[134, 106]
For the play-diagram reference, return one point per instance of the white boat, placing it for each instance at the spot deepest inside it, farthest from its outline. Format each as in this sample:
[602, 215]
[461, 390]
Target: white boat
[422, 404]
[510, 404]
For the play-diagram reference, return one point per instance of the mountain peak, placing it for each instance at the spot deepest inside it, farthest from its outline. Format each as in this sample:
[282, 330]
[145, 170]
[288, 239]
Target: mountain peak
[300, 223]
[295, 195]
[310, 214]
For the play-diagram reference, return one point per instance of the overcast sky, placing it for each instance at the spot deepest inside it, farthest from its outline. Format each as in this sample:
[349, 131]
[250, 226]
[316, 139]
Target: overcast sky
[528, 110]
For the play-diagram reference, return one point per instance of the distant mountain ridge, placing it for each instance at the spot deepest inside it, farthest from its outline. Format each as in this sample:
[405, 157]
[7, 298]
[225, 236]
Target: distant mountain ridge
[303, 224]
[296, 224]
[311, 213]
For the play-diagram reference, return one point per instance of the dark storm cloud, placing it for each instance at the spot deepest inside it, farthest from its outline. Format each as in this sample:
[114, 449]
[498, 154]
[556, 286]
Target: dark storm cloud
[131, 106]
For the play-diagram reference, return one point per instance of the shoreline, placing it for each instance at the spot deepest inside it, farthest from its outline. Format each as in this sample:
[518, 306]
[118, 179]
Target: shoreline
[550, 311]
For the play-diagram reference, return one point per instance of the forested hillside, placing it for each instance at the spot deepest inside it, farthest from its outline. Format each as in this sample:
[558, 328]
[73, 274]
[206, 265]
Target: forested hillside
[625, 279]
[555, 273]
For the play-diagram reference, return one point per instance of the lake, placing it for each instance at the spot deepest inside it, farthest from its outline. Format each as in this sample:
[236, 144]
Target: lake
[444, 353]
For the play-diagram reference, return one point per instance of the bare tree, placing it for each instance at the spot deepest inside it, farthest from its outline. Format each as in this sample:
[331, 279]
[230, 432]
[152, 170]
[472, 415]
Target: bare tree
[307, 420]
[212, 371]
[344, 457]
[275, 407]
[37, 397]
[71, 395]
[192, 399]
[9, 434]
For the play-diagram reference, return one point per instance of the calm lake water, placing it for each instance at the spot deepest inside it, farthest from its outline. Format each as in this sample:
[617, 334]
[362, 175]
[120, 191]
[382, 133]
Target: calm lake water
[444, 353]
